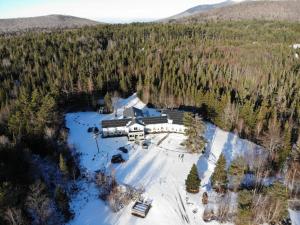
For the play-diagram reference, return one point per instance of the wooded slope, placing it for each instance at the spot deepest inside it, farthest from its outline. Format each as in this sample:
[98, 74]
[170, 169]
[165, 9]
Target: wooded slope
[43, 23]
[249, 10]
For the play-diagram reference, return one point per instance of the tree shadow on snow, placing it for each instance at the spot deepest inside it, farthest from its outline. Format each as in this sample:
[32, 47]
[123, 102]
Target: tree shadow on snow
[202, 163]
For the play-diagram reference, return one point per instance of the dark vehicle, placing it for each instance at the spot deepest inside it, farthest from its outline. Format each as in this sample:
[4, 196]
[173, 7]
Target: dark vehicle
[117, 159]
[96, 130]
[123, 149]
[145, 145]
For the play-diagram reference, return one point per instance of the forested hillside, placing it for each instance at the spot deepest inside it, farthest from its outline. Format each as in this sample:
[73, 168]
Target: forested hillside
[278, 10]
[242, 76]
[42, 23]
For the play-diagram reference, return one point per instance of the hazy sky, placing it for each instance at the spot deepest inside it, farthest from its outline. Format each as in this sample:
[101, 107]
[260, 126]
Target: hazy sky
[101, 10]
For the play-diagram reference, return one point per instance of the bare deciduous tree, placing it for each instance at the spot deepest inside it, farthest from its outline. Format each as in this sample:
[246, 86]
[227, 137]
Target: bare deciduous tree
[230, 115]
[225, 210]
[272, 139]
[40, 206]
[14, 216]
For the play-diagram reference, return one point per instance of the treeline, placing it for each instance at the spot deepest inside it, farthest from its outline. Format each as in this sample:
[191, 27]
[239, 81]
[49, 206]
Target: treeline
[243, 76]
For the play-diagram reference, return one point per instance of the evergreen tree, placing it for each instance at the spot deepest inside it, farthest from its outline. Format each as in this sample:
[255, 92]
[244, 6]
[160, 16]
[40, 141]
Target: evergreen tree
[194, 131]
[62, 164]
[236, 172]
[244, 212]
[219, 177]
[287, 145]
[249, 117]
[108, 103]
[62, 201]
[279, 196]
[193, 181]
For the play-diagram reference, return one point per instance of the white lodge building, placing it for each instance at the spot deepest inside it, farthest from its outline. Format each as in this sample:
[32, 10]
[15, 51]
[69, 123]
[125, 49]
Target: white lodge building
[135, 125]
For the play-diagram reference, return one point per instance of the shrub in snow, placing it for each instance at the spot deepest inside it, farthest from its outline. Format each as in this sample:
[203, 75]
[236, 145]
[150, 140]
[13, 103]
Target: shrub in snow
[117, 196]
[208, 215]
[121, 196]
[225, 211]
[106, 184]
[193, 181]
[205, 198]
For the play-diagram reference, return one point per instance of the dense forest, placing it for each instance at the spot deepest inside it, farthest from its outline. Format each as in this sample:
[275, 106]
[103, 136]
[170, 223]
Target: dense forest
[242, 76]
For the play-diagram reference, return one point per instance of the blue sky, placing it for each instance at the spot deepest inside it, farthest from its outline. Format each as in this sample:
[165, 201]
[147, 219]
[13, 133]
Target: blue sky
[101, 10]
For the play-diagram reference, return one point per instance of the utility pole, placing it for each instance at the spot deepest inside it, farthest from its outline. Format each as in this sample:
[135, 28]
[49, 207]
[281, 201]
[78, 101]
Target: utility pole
[96, 135]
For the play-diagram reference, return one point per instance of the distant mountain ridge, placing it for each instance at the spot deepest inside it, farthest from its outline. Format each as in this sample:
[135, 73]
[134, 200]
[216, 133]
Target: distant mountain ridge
[199, 9]
[281, 10]
[49, 22]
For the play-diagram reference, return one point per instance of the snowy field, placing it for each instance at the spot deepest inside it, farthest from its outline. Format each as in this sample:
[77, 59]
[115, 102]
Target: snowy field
[159, 169]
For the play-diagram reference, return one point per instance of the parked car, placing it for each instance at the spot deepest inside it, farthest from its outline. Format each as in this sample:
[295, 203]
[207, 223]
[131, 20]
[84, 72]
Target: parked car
[123, 149]
[117, 159]
[145, 145]
[95, 130]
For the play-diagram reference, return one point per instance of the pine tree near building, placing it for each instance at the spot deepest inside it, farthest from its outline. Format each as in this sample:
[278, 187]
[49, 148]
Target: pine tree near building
[108, 103]
[193, 181]
[219, 178]
[195, 128]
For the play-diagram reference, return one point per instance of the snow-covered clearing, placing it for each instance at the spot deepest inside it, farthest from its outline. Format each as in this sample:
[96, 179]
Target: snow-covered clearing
[158, 169]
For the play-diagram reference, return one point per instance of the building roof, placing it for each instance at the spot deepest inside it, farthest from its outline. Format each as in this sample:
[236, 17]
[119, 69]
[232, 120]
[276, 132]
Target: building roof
[115, 123]
[154, 120]
[136, 121]
[132, 112]
[175, 115]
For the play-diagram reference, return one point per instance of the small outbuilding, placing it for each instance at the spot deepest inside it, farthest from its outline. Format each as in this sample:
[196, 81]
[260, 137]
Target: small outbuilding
[141, 208]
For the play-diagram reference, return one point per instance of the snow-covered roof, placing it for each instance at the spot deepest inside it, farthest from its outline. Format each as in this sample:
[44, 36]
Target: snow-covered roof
[295, 46]
[175, 115]
[154, 120]
[135, 121]
[115, 123]
[132, 112]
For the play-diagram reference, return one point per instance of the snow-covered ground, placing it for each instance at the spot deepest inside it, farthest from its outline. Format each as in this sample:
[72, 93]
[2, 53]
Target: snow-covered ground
[159, 169]
[295, 217]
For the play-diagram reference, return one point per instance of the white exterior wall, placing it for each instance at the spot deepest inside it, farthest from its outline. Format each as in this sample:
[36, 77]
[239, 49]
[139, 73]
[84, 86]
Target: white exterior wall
[136, 132]
[164, 127]
[114, 131]
[136, 127]
[177, 128]
[150, 128]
